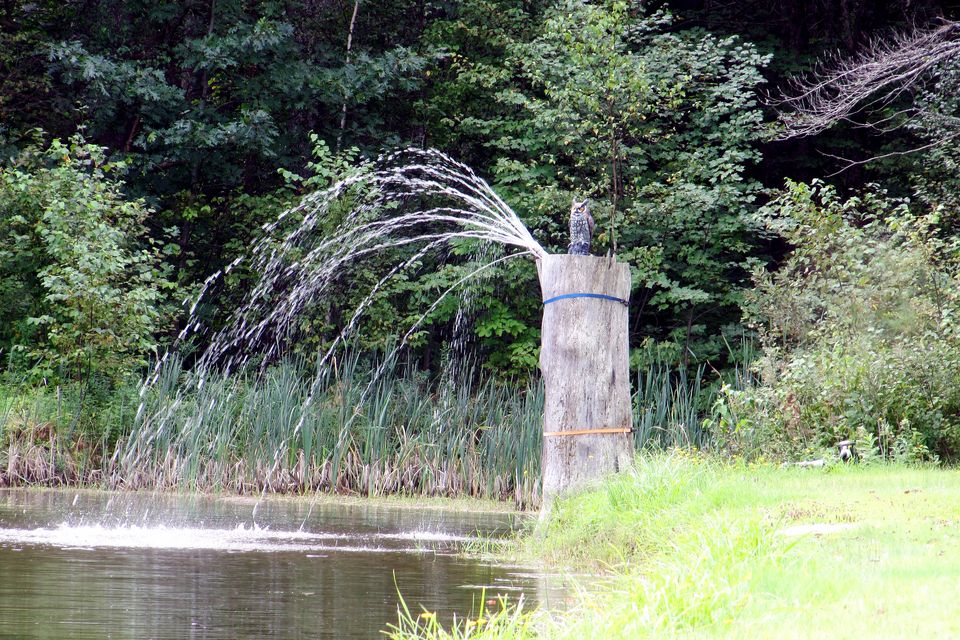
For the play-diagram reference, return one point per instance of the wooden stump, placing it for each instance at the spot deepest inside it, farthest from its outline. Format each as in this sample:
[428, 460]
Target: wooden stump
[584, 358]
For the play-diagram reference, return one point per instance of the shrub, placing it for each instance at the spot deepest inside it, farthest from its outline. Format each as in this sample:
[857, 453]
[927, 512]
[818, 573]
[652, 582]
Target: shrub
[80, 290]
[858, 328]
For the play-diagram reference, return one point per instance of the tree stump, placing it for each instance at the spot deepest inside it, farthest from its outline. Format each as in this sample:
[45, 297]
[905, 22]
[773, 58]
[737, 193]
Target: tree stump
[584, 359]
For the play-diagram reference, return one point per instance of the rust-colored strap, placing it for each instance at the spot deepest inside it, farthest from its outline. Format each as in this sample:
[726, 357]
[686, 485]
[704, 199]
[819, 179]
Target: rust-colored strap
[586, 432]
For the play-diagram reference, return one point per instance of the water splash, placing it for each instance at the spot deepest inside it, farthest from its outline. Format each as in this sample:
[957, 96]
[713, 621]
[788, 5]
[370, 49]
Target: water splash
[411, 205]
[242, 538]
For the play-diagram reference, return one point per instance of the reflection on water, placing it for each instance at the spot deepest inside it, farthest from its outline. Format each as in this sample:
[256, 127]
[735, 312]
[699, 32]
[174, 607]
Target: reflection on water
[96, 565]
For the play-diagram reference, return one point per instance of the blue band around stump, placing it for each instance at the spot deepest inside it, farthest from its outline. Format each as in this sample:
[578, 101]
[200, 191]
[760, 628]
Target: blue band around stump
[601, 296]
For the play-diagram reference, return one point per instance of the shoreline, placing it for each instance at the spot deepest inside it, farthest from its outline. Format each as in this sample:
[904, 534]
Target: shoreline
[394, 501]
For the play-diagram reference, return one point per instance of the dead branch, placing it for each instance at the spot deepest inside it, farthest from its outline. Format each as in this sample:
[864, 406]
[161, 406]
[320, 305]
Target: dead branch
[843, 87]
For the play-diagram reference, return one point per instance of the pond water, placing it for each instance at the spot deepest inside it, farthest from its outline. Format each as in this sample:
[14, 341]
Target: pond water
[122, 565]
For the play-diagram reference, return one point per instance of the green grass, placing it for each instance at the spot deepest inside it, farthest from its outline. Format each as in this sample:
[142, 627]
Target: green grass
[340, 430]
[701, 549]
[495, 619]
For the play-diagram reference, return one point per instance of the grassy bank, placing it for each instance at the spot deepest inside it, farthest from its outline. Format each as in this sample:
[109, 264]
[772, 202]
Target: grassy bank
[705, 550]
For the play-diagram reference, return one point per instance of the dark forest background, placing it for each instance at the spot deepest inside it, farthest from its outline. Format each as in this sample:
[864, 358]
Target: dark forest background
[209, 118]
[144, 143]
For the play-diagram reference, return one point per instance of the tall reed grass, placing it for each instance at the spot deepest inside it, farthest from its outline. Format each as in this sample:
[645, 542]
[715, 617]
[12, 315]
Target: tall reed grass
[340, 430]
[345, 431]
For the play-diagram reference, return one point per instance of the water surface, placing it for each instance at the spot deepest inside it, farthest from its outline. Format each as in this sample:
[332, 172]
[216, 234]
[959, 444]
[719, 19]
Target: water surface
[122, 565]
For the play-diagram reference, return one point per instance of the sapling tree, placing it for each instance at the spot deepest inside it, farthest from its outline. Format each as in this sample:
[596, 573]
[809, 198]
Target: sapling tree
[658, 126]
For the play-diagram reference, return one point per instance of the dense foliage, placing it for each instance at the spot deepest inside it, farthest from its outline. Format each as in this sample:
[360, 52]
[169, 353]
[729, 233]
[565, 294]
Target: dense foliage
[81, 287]
[144, 144]
[859, 329]
[658, 127]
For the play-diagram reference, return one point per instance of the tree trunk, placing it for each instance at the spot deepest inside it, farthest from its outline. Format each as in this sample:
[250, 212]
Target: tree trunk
[584, 358]
[343, 109]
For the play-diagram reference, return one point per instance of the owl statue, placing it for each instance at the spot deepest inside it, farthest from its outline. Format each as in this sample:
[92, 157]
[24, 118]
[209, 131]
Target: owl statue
[581, 228]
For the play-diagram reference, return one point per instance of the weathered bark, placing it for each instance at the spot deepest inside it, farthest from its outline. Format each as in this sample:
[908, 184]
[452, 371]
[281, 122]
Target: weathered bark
[584, 359]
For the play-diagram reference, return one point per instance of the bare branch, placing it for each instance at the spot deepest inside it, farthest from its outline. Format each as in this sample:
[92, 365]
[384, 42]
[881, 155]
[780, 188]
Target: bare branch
[842, 88]
[848, 163]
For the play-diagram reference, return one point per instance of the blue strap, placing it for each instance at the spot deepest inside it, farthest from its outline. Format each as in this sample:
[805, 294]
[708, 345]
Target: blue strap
[601, 296]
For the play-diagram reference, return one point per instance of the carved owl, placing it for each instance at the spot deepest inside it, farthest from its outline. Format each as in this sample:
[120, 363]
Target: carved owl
[581, 228]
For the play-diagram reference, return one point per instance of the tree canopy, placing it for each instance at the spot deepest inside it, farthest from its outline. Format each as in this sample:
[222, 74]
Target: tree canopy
[660, 112]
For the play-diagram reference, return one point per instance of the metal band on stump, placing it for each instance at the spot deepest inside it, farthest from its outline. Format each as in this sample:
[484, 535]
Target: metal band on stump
[584, 358]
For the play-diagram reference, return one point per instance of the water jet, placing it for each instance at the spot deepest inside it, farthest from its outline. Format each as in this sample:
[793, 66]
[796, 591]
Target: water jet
[410, 205]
